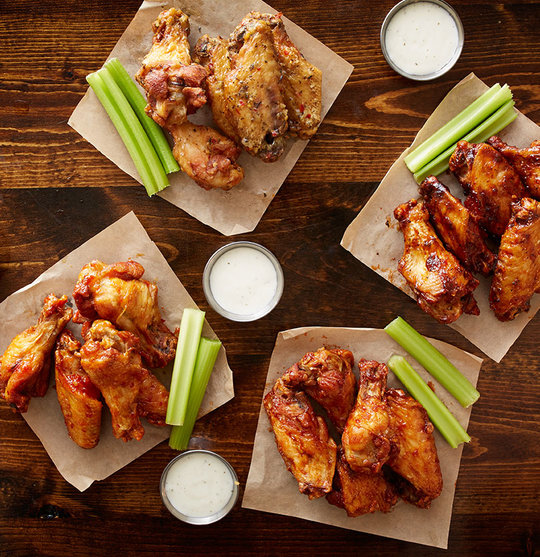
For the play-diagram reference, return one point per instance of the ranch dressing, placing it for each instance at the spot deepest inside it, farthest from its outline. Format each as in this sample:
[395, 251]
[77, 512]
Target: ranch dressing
[421, 38]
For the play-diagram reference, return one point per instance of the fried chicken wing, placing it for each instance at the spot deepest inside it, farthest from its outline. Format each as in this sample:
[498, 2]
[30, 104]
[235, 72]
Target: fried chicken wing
[327, 377]
[526, 162]
[455, 225]
[118, 293]
[365, 439]
[489, 182]
[25, 365]
[517, 275]
[414, 454]
[152, 400]
[302, 439]
[442, 286]
[79, 398]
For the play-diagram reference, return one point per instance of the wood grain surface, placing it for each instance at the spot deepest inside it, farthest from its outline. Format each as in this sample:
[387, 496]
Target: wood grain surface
[56, 191]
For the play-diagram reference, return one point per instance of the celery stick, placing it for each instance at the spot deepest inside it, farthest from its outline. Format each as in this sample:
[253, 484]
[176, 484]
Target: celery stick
[459, 126]
[138, 103]
[433, 361]
[441, 417]
[206, 358]
[184, 364]
[493, 125]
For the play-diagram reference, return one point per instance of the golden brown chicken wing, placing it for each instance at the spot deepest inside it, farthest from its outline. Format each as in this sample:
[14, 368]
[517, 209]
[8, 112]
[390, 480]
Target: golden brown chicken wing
[117, 293]
[152, 400]
[365, 442]
[25, 365]
[414, 454]
[489, 182]
[455, 225]
[302, 439]
[79, 398]
[517, 275]
[526, 161]
[442, 286]
[327, 377]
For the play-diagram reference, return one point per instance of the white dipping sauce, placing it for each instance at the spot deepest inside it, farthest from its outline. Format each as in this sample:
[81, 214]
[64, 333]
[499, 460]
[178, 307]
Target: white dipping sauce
[243, 281]
[421, 38]
[199, 485]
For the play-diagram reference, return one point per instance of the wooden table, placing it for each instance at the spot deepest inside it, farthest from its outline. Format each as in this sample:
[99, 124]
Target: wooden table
[57, 191]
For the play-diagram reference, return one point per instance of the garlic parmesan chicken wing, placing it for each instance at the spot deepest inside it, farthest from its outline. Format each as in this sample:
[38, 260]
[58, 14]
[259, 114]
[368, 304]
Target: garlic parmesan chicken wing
[457, 228]
[489, 182]
[25, 365]
[442, 286]
[517, 275]
[119, 294]
[302, 439]
[526, 162]
[414, 454]
[79, 398]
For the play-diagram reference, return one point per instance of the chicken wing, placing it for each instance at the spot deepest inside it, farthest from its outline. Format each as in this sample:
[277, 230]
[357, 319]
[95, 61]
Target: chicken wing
[517, 275]
[117, 293]
[302, 439]
[455, 225]
[442, 286]
[414, 454]
[327, 377]
[489, 182]
[152, 400]
[25, 365]
[79, 398]
[365, 439]
[526, 162]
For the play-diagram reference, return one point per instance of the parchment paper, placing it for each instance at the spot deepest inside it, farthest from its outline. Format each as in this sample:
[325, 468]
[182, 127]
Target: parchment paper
[270, 487]
[124, 239]
[240, 209]
[374, 237]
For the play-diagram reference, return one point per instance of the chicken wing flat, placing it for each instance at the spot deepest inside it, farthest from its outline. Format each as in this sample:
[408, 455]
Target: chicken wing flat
[360, 492]
[117, 293]
[489, 182]
[25, 365]
[365, 442]
[79, 398]
[152, 400]
[442, 286]
[302, 439]
[327, 377]
[455, 225]
[517, 275]
[525, 161]
[414, 454]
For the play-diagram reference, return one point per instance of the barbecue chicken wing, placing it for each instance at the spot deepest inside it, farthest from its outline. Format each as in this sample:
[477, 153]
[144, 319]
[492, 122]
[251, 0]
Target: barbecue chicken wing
[327, 377]
[455, 225]
[302, 439]
[79, 398]
[414, 454]
[489, 182]
[365, 440]
[526, 161]
[442, 286]
[117, 293]
[517, 275]
[25, 365]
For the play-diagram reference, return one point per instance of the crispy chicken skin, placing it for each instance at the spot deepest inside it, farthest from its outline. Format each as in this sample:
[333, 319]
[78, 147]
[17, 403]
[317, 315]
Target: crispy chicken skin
[365, 440]
[152, 400]
[526, 162]
[414, 454]
[302, 439]
[79, 398]
[442, 286]
[489, 182]
[117, 293]
[327, 377]
[455, 225]
[517, 275]
[25, 365]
